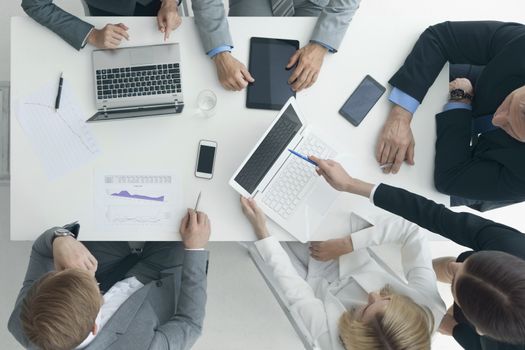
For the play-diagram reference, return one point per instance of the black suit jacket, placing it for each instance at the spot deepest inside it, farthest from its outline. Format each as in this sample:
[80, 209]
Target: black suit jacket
[494, 168]
[466, 229]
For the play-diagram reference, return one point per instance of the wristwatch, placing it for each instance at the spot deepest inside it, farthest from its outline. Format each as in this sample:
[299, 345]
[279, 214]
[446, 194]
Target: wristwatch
[62, 232]
[459, 94]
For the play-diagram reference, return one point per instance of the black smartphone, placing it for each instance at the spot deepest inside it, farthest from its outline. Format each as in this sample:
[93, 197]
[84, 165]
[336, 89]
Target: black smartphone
[362, 100]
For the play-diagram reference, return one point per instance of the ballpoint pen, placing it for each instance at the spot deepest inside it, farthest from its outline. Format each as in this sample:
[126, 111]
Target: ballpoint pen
[303, 157]
[198, 200]
[386, 165]
[59, 93]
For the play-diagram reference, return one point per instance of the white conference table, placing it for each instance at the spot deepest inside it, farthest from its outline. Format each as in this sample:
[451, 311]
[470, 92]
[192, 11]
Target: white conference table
[378, 40]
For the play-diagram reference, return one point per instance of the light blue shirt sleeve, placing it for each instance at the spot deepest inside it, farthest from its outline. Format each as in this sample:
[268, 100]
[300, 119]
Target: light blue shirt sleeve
[404, 100]
[218, 50]
[456, 105]
[331, 49]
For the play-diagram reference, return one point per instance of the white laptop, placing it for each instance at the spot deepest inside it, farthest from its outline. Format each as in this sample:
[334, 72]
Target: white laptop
[286, 187]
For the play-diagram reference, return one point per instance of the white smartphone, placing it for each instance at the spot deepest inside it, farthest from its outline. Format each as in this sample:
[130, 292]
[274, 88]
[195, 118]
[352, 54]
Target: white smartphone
[205, 159]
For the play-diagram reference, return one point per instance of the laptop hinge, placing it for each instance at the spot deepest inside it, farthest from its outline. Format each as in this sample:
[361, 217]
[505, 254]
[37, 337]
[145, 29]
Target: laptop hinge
[105, 111]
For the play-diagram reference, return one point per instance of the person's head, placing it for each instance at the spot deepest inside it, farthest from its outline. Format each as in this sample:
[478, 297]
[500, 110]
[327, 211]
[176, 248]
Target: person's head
[489, 287]
[60, 309]
[390, 321]
[510, 115]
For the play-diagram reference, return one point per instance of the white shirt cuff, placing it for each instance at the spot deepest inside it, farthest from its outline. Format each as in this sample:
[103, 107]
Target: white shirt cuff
[194, 249]
[371, 198]
[86, 38]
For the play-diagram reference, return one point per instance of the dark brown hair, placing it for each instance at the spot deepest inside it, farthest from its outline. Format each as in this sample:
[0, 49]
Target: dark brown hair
[60, 309]
[491, 294]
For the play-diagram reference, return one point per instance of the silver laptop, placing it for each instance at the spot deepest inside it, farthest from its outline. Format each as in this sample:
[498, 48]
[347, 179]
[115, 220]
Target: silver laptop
[137, 81]
[286, 187]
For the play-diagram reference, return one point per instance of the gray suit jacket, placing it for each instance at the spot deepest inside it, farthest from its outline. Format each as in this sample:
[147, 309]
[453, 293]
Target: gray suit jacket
[164, 314]
[333, 21]
[210, 19]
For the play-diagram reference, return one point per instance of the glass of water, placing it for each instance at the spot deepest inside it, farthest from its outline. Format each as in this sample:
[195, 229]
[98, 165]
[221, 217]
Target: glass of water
[207, 102]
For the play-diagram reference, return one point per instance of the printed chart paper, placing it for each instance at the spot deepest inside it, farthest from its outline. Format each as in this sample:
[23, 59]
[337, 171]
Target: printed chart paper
[138, 201]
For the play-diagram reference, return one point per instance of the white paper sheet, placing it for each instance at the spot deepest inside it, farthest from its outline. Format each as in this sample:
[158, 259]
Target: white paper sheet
[61, 139]
[145, 201]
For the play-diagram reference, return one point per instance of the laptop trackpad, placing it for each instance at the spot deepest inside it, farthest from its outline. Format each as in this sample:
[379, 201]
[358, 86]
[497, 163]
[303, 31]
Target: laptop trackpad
[322, 197]
[141, 56]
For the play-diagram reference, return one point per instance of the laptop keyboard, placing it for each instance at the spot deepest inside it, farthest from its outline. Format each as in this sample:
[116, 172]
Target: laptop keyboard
[296, 178]
[138, 81]
[267, 153]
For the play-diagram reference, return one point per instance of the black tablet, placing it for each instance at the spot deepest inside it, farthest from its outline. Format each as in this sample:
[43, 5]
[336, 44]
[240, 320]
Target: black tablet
[268, 60]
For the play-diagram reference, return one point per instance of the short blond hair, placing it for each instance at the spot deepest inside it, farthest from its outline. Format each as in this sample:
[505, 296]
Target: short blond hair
[404, 325]
[60, 309]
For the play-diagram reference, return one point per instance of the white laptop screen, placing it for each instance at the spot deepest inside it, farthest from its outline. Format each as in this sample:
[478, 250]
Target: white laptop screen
[275, 142]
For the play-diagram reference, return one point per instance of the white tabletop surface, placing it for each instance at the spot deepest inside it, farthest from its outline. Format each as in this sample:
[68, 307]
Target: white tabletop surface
[378, 39]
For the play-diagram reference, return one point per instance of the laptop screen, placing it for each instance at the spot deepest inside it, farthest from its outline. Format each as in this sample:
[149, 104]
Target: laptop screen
[269, 150]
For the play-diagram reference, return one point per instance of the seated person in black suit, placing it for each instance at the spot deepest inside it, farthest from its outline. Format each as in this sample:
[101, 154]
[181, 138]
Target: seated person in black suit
[488, 282]
[480, 146]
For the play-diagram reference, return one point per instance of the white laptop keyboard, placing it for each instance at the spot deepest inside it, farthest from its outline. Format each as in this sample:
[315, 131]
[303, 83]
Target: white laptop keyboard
[296, 178]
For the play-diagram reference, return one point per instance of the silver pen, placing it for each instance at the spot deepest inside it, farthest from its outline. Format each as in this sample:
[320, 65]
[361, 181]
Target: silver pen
[198, 200]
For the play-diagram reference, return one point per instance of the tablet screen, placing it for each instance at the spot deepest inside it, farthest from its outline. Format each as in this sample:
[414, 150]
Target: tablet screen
[268, 60]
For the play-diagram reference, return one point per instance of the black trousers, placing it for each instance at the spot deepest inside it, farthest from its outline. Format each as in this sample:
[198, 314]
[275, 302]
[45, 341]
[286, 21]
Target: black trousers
[149, 10]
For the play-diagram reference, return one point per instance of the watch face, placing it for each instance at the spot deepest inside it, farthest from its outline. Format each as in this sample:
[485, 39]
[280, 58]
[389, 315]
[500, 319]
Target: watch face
[457, 94]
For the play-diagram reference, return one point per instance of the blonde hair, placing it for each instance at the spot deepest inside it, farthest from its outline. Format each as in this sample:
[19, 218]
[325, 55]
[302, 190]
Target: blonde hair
[404, 325]
[60, 309]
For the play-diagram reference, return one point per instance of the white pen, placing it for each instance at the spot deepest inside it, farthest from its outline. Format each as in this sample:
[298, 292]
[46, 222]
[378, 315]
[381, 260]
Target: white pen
[385, 165]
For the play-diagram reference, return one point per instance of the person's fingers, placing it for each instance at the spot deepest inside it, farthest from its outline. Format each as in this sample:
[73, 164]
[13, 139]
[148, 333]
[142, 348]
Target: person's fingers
[410, 153]
[312, 80]
[193, 218]
[238, 82]
[307, 78]
[185, 221]
[379, 150]
[160, 22]
[398, 161]
[293, 60]
[122, 32]
[201, 217]
[246, 74]
[123, 26]
[385, 154]
[296, 73]
[116, 38]
[299, 82]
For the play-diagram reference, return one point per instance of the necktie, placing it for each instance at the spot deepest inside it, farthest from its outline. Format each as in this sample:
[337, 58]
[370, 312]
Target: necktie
[282, 8]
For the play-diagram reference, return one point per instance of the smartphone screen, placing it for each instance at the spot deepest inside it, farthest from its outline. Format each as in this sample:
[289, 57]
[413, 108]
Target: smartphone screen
[206, 158]
[362, 100]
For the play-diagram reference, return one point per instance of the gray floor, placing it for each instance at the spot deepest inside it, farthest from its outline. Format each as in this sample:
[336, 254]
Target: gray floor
[241, 311]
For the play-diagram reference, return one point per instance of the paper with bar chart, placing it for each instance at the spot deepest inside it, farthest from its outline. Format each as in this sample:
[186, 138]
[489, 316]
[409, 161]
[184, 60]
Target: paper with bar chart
[147, 202]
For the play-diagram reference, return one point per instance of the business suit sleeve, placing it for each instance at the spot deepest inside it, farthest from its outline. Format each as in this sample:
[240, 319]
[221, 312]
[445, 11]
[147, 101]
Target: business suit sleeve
[465, 229]
[333, 22]
[474, 43]
[459, 172]
[466, 337]
[211, 22]
[40, 263]
[185, 327]
[300, 297]
[70, 28]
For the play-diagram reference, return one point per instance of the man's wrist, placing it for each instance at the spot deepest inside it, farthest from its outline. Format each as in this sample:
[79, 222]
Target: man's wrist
[221, 56]
[463, 100]
[319, 47]
[401, 113]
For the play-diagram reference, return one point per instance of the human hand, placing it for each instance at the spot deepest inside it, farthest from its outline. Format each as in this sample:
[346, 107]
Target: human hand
[108, 37]
[331, 249]
[168, 18]
[443, 270]
[68, 253]
[309, 60]
[195, 229]
[396, 142]
[233, 75]
[256, 217]
[333, 173]
[463, 84]
[448, 322]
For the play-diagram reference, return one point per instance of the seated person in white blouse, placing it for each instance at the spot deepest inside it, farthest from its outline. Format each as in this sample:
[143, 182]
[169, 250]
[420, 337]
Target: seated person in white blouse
[345, 295]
